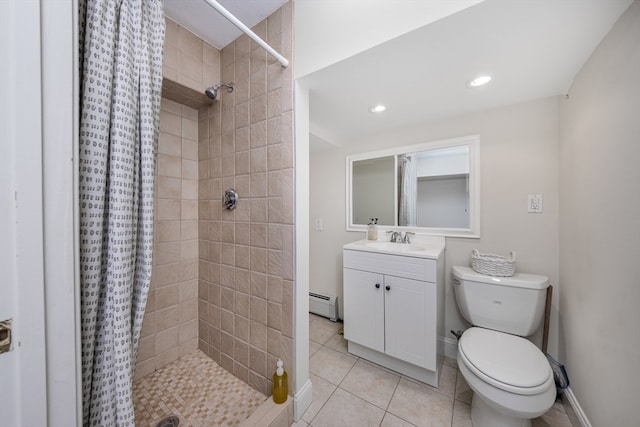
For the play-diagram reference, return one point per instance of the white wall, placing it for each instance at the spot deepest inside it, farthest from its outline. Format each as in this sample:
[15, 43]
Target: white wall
[519, 155]
[600, 228]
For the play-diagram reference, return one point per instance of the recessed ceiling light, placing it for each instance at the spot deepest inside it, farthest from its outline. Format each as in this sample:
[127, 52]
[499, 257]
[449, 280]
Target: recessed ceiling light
[379, 108]
[479, 81]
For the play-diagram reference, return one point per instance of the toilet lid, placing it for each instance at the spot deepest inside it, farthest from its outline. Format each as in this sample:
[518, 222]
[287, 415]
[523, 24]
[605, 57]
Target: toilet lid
[506, 358]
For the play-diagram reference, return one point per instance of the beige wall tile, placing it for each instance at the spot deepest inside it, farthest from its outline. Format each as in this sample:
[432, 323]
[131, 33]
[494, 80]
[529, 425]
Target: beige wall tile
[144, 368]
[189, 169]
[189, 209]
[258, 108]
[170, 123]
[189, 189]
[167, 231]
[169, 166]
[170, 106]
[189, 229]
[210, 55]
[259, 285]
[190, 128]
[188, 250]
[169, 188]
[188, 311]
[166, 340]
[168, 317]
[189, 43]
[167, 357]
[258, 137]
[243, 276]
[189, 346]
[190, 148]
[164, 275]
[146, 350]
[188, 291]
[166, 252]
[149, 324]
[228, 143]
[171, 32]
[258, 310]
[258, 335]
[166, 297]
[169, 144]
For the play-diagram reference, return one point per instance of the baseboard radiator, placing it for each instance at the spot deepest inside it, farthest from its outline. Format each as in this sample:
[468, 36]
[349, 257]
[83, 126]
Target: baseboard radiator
[324, 305]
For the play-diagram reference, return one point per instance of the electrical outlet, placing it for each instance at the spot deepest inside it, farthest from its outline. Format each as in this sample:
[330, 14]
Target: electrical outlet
[535, 203]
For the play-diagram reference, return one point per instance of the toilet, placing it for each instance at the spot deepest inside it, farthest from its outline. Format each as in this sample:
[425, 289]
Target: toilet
[511, 378]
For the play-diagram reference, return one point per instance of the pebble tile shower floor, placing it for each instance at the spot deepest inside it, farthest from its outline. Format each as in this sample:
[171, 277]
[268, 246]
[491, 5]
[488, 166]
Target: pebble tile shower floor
[198, 391]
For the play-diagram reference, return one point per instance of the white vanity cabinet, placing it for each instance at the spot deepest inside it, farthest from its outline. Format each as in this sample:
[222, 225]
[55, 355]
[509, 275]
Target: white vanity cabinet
[393, 311]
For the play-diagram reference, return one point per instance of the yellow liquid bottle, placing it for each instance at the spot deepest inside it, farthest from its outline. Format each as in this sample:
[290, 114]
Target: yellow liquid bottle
[280, 384]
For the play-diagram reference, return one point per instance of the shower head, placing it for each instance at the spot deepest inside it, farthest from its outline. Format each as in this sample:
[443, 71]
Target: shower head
[212, 92]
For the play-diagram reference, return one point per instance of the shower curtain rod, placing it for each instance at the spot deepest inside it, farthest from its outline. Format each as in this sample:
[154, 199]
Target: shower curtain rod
[235, 21]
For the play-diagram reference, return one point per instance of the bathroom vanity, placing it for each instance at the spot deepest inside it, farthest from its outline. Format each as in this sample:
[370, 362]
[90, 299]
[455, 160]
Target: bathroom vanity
[394, 305]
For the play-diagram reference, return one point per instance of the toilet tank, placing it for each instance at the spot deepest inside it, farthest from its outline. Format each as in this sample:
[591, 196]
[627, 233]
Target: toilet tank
[508, 304]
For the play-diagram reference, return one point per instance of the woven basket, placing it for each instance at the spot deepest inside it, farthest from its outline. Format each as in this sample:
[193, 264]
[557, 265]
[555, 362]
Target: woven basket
[493, 265]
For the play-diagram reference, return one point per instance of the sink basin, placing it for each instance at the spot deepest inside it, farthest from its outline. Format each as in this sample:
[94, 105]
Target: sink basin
[418, 249]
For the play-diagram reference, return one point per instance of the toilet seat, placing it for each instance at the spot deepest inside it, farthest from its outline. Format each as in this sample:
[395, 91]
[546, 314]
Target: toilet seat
[505, 361]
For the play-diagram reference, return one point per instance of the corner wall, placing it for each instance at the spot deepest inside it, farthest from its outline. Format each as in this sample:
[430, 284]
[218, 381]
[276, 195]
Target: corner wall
[600, 228]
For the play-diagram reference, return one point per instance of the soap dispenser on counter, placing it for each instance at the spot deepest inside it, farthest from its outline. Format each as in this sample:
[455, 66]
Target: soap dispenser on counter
[372, 229]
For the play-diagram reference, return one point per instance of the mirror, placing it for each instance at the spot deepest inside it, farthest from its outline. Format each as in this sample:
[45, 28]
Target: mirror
[430, 188]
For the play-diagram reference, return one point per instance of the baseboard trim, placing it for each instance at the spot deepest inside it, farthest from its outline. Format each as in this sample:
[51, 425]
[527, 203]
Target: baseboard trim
[575, 406]
[302, 400]
[450, 348]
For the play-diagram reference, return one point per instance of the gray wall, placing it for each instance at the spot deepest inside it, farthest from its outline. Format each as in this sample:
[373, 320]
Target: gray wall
[600, 228]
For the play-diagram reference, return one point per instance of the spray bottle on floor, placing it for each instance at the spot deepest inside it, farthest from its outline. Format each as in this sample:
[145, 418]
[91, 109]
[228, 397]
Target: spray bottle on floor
[280, 383]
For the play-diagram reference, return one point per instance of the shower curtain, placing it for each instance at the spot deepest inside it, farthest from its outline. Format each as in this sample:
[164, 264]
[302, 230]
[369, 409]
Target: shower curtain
[407, 190]
[120, 43]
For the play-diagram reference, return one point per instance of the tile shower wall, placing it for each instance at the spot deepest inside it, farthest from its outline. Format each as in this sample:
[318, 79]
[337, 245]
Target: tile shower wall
[245, 292]
[188, 61]
[170, 328]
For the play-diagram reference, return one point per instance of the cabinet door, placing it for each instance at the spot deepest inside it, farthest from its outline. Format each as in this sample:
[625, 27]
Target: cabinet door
[410, 319]
[364, 308]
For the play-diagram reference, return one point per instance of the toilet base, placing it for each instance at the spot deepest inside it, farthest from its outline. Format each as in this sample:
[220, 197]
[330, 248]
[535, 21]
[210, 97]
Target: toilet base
[483, 415]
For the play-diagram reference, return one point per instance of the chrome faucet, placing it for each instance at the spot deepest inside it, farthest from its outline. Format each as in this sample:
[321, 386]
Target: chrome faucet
[406, 238]
[396, 236]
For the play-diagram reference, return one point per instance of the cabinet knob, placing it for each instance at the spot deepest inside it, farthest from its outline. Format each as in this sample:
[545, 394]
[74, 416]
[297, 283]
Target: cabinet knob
[377, 285]
[388, 287]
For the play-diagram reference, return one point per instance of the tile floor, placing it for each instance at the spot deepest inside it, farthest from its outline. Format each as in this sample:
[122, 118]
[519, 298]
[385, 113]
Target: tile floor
[350, 391]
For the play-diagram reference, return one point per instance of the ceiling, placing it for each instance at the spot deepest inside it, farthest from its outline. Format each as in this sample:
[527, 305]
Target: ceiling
[532, 48]
[204, 21]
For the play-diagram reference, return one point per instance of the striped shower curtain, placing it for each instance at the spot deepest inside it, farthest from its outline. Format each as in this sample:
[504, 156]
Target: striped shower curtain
[120, 61]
